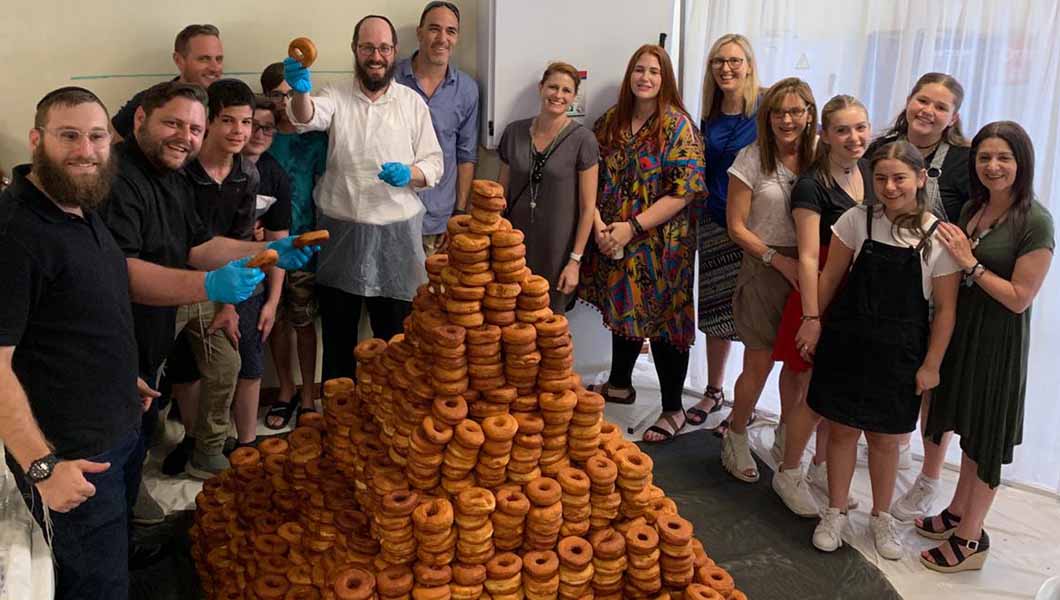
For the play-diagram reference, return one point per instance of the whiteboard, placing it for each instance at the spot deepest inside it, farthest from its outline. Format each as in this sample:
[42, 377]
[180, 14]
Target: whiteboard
[517, 40]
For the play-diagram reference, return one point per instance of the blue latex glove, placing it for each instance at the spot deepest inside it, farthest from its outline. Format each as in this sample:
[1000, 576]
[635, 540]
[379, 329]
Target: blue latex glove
[291, 258]
[296, 76]
[396, 174]
[232, 283]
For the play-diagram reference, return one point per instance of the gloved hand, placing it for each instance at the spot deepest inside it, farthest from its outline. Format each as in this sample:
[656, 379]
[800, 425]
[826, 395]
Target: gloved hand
[291, 258]
[396, 174]
[296, 76]
[232, 283]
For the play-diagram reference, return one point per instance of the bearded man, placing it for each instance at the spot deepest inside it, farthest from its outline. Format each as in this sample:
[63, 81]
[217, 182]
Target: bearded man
[383, 150]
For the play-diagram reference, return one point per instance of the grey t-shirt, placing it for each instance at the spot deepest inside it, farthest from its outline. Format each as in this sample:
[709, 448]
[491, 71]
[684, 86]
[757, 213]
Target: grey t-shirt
[770, 217]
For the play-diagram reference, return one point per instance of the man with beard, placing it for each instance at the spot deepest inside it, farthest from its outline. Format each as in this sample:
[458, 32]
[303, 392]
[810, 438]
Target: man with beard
[452, 97]
[199, 57]
[70, 400]
[151, 213]
[383, 150]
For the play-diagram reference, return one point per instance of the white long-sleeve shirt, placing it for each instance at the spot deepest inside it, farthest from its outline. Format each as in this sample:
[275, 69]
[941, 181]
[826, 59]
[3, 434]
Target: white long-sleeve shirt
[362, 135]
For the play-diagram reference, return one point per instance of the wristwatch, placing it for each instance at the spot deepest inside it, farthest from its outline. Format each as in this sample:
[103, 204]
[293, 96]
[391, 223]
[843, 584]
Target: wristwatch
[42, 468]
[767, 256]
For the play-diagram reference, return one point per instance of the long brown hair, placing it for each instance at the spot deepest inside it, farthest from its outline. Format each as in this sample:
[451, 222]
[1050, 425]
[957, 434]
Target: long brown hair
[767, 140]
[952, 133]
[819, 167]
[752, 87]
[668, 98]
[907, 153]
[1022, 188]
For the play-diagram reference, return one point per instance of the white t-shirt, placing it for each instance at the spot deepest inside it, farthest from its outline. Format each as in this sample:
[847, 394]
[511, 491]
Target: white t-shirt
[850, 229]
[770, 217]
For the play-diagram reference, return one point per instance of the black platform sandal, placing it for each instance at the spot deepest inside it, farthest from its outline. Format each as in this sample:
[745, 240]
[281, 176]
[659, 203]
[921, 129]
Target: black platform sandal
[949, 520]
[697, 416]
[970, 554]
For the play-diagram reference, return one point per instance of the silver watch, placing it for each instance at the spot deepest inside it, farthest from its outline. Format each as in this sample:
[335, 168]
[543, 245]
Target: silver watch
[767, 256]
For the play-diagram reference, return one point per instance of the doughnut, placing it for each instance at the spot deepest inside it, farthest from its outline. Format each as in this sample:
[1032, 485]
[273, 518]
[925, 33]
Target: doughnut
[266, 259]
[608, 543]
[434, 515]
[565, 362]
[303, 50]
[500, 318]
[535, 285]
[563, 401]
[449, 336]
[717, 579]
[489, 334]
[469, 434]
[494, 303]
[522, 355]
[562, 341]
[487, 383]
[573, 481]
[354, 584]
[311, 238]
[465, 574]
[485, 371]
[462, 307]
[456, 352]
[673, 529]
[469, 242]
[302, 592]
[500, 428]
[451, 410]
[435, 263]
[487, 188]
[483, 222]
[513, 503]
[369, 349]
[642, 539]
[468, 260]
[269, 544]
[394, 581]
[468, 320]
[507, 239]
[504, 290]
[400, 503]
[492, 204]
[477, 501]
[574, 552]
[508, 253]
[244, 456]
[462, 292]
[698, 591]
[490, 351]
[508, 266]
[271, 446]
[271, 586]
[526, 302]
[541, 564]
[476, 279]
[437, 433]
[633, 464]
[514, 276]
[589, 402]
[553, 326]
[533, 316]
[544, 491]
[458, 224]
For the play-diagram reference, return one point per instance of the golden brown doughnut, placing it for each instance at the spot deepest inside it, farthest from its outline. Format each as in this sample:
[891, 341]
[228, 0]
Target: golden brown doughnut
[673, 529]
[394, 581]
[535, 285]
[462, 307]
[480, 227]
[244, 456]
[500, 428]
[266, 259]
[562, 401]
[312, 238]
[270, 586]
[484, 216]
[465, 574]
[462, 292]
[492, 204]
[642, 539]
[553, 326]
[458, 224]
[469, 261]
[533, 316]
[449, 336]
[500, 318]
[470, 242]
[303, 50]
[506, 239]
[477, 501]
[698, 591]
[369, 349]
[573, 481]
[494, 303]
[451, 410]
[508, 253]
[574, 552]
[436, 263]
[527, 302]
[488, 334]
[503, 566]
[487, 188]
[435, 515]
[476, 279]
[541, 564]
[354, 584]
[518, 276]
[508, 266]
[468, 320]
[544, 491]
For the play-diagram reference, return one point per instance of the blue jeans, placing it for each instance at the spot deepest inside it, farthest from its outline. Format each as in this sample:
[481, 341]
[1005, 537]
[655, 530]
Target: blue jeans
[91, 542]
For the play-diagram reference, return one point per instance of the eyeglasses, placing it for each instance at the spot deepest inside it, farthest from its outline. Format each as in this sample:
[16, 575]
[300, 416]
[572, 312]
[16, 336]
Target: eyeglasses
[368, 49]
[71, 138]
[794, 113]
[278, 95]
[734, 63]
[265, 130]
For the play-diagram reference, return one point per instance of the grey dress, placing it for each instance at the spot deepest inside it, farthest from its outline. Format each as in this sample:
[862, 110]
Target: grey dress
[551, 224]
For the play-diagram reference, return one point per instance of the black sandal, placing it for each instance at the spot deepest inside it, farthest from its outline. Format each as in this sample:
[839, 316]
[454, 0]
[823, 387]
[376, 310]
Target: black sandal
[667, 436]
[697, 416]
[604, 389]
[722, 427]
[283, 410]
[972, 561]
[949, 520]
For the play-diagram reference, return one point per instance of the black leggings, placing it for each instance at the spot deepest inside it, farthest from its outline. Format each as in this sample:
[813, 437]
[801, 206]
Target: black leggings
[340, 313]
[671, 364]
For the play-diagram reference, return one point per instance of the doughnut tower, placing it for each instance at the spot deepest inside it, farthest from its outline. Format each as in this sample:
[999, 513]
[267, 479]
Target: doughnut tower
[466, 462]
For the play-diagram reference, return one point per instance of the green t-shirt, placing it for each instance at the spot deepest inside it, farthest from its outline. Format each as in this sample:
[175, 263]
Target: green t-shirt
[303, 157]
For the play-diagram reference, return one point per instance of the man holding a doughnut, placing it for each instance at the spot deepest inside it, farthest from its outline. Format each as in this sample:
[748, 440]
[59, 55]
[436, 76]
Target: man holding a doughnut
[199, 56]
[452, 97]
[383, 150]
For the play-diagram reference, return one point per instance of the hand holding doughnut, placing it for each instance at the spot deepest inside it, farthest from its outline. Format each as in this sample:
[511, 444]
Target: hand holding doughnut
[303, 50]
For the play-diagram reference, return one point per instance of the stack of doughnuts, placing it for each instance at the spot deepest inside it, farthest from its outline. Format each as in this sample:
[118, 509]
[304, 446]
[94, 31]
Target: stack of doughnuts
[541, 575]
[474, 543]
[575, 568]
[609, 563]
[504, 576]
[467, 461]
[526, 448]
[675, 543]
[642, 553]
[545, 518]
[509, 520]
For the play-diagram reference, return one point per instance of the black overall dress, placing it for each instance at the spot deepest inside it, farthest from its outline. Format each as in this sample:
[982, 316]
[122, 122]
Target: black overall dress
[873, 341]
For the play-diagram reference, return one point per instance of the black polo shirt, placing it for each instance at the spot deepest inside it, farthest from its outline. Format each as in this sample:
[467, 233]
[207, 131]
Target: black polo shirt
[151, 214]
[125, 118]
[226, 208]
[64, 306]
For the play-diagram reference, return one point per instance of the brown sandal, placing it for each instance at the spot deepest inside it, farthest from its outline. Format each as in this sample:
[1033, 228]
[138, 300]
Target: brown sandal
[696, 415]
[667, 436]
[604, 389]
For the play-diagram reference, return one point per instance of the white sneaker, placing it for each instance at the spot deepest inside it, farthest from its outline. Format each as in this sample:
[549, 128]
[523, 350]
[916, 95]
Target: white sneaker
[736, 456]
[885, 532]
[905, 456]
[828, 536]
[777, 451]
[818, 478]
[793, 489]
[918, 500]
